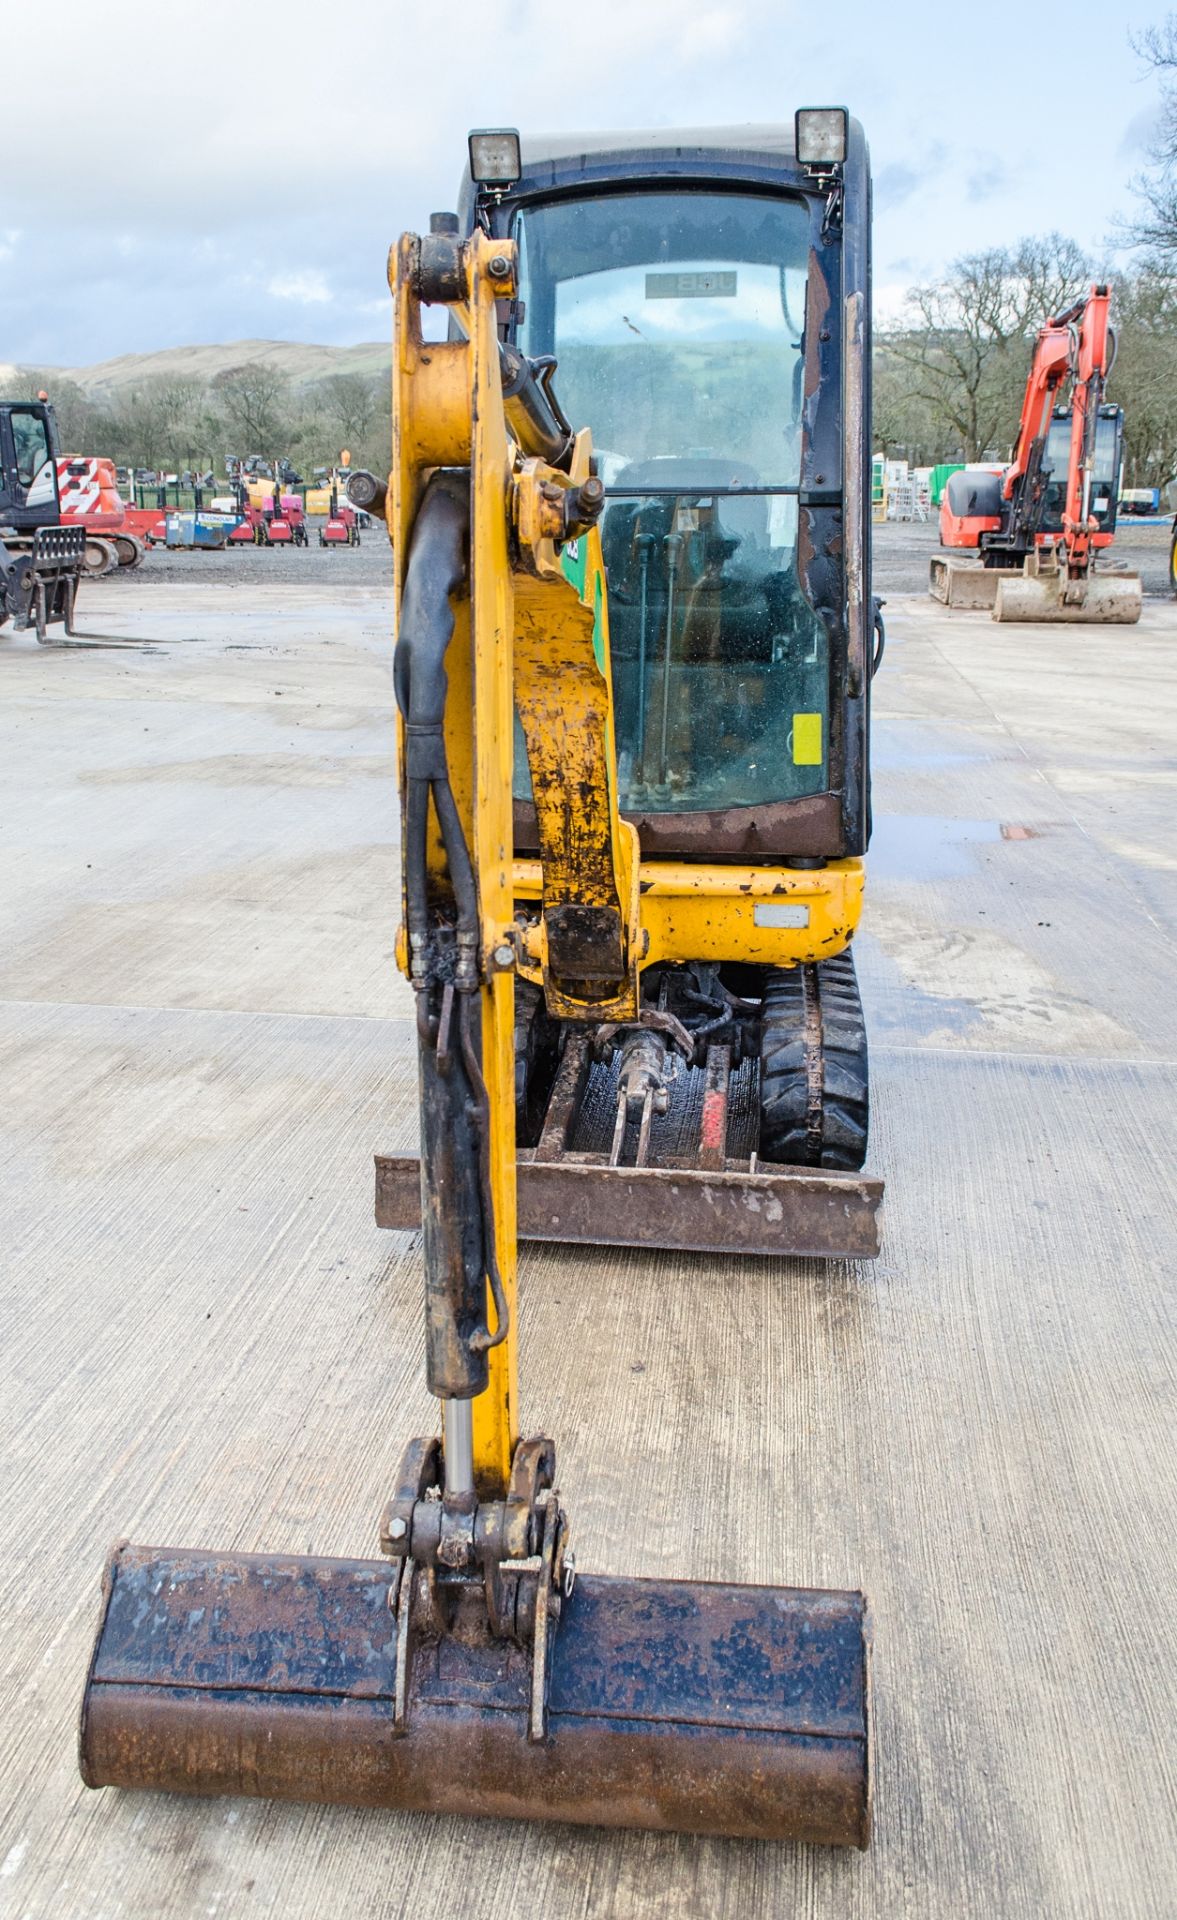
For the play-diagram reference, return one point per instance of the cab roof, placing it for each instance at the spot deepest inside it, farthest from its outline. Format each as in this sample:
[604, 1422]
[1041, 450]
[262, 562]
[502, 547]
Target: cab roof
[773, 141]
[756, 150]
[760, 153]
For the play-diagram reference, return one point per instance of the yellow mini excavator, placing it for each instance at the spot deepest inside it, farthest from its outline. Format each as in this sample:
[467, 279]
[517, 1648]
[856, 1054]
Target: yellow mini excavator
[633, 676]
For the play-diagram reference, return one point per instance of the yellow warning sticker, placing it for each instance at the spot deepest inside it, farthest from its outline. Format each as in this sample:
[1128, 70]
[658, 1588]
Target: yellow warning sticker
[807, 739]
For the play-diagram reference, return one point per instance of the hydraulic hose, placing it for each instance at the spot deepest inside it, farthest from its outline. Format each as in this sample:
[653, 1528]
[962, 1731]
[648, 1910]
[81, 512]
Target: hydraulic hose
[457, 855]
[458, 1123]
[482, 1342]
[880, 639]
[416, 830]
[436, 567]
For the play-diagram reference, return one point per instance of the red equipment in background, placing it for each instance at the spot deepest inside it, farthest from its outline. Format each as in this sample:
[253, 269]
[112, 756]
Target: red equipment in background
[1039, 524]
[341, 528]
[284, 520]
[962, 521]
[116, 534]
[252, 530]
[272, 519]
[276, 528]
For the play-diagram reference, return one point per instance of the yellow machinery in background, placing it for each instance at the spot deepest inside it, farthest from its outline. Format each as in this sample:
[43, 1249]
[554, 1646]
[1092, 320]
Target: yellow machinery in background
[324, 497]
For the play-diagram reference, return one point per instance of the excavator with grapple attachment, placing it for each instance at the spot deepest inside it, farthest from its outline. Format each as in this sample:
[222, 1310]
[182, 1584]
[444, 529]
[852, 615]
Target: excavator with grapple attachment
[632, 668]
[40, 559]
[1041, 524]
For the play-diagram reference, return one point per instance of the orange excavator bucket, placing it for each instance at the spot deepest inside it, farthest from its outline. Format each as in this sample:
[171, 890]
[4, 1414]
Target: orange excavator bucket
[1099, 599]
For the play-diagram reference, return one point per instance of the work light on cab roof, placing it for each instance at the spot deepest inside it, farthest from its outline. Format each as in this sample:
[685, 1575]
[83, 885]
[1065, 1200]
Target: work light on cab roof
[821, 136]
[495, 156]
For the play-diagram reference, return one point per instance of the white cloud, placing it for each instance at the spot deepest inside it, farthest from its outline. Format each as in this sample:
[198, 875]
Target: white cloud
[307, 288]
[111, 275]
[712, 31]
[890, 301]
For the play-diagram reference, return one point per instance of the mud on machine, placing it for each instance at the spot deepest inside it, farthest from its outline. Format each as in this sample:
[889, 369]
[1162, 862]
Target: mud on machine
[633, 674]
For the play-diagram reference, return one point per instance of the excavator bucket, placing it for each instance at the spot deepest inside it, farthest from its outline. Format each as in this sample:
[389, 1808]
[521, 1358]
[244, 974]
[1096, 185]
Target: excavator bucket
[1102, 599]
[670, 1705]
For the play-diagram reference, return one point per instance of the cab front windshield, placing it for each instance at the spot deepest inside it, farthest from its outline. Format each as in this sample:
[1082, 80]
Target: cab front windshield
[677, 320]
[1056, 458]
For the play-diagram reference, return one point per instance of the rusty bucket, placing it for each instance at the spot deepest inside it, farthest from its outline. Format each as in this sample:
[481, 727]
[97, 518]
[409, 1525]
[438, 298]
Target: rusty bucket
[673, 1705]
[1101, 600]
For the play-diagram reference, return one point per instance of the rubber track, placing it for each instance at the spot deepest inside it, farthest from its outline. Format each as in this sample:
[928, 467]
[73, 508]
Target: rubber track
[792, 1130]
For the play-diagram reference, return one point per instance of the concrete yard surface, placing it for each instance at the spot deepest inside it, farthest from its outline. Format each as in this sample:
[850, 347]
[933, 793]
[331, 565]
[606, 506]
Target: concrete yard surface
[207, 1341]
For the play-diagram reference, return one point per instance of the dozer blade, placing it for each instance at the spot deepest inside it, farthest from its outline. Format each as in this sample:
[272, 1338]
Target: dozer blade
[962, 583]
[671, 1705]
[699, 1195]
[813, 1213]
[1104, 599]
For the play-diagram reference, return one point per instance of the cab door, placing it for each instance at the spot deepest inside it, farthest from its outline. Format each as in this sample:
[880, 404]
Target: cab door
[28, 467]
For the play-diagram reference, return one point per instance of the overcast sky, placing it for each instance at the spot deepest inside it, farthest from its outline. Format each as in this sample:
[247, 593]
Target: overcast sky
[181, 175]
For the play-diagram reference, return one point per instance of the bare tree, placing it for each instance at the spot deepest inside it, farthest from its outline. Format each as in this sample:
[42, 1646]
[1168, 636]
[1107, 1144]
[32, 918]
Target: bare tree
[903, 423]
[1157, 186]
[187, 433]
[1144, 377]
[966, 338]
[80, 420]
[351, 402]
[138, 425]
[174, 423]
[255, 401]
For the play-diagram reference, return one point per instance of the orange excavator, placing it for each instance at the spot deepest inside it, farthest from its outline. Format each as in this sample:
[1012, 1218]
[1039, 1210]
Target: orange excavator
[1039, 526]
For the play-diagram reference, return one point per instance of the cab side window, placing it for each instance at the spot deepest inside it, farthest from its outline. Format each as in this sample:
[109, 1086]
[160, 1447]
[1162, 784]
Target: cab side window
[30, 437]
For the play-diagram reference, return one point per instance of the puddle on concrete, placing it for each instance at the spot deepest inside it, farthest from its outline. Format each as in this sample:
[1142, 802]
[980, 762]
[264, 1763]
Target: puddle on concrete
[957, 986]
[893, 759]
[925, 846]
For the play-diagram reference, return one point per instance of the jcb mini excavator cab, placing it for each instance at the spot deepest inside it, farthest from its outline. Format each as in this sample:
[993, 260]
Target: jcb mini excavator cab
[633, 688]
[704, 296]
[40, 560]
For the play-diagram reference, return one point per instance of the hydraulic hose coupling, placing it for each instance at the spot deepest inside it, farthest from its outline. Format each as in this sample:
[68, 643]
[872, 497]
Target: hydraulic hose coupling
[466, 966]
